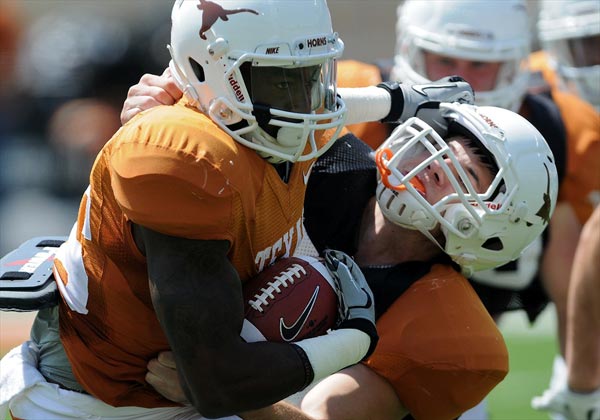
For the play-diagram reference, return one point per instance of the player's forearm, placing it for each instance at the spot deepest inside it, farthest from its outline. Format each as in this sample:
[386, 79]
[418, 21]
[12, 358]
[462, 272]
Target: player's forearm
[557, 262]
[365, 104]
[583, 343]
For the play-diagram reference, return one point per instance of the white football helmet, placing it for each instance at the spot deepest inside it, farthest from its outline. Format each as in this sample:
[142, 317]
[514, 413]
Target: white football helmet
[569, 31]
[483, 30]
[263, 70]
[481, 230]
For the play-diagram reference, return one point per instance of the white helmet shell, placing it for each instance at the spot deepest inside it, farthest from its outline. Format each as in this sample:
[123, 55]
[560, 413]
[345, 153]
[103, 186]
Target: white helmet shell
[481, 230]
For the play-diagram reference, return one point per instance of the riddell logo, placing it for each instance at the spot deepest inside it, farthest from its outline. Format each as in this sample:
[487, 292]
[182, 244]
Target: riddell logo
[316, 42]
[489, 121]
[236, 88]
[491, 206]
[212, 11]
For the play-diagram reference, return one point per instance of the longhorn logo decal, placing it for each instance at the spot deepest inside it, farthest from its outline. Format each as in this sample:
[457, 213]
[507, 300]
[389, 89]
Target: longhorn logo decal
[544, 211]
[212, 11]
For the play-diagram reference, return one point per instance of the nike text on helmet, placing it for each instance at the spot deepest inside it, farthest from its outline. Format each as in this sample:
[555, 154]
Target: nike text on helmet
[225, 52]
[483, 30]
[569, 32]
[481, 230]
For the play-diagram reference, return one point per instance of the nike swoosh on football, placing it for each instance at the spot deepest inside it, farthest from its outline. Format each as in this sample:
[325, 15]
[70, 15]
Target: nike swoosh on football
[289, 333]
[306, 174]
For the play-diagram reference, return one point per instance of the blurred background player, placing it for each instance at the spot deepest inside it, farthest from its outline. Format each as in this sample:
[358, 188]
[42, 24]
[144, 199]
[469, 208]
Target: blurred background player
[578, 397]
[569, 33]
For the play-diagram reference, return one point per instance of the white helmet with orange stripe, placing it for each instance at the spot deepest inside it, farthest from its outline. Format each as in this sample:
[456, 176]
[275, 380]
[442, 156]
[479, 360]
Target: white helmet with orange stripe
[483, 214]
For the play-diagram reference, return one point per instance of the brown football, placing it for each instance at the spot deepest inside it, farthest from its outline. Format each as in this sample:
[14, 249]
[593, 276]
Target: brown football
[291, 300]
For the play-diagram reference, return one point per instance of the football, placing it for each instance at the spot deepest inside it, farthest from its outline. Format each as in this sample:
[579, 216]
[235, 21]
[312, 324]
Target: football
[289, 301]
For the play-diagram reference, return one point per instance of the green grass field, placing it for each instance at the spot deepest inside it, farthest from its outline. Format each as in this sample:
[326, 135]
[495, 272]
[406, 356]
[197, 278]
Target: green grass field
[531, 350]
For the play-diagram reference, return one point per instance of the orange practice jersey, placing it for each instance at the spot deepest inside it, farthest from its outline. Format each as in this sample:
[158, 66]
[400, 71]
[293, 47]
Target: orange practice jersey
[439, 348]
[352, 73]
[173, 170]
[581, 186]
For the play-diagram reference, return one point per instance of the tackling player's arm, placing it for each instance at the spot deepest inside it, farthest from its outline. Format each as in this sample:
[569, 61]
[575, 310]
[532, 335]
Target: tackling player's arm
[152, 90]
[162, 375]
[387, 102]
[197, 296]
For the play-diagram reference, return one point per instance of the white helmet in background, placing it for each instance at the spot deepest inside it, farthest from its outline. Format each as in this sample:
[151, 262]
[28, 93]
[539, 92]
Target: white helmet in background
[263, 70]
[481, 230]
[569, 32]
[482, 30]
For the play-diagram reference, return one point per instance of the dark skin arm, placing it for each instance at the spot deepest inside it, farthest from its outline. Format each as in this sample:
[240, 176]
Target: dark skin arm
[197, 296]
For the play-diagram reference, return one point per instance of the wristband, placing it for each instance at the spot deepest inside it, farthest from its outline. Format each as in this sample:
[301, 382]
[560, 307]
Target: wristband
[309, 374]
[330, 353]
[397, 106]
[366, 326]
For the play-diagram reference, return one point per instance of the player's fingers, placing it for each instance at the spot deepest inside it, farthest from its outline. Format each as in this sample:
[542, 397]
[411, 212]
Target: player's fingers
[169, 85]
[163, 88]
[128, 113]
[166, 358]
[135, 105]
[165, 381]
[161, 386]
[153, 85]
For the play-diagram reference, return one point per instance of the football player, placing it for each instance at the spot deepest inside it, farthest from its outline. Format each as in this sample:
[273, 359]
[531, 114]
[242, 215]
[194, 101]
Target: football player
[187, 202]
[569, 32]
[396, 228]
[488, 44]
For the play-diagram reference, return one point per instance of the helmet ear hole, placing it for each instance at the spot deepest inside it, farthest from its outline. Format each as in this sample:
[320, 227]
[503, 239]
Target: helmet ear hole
[493, 244]
[198, 70]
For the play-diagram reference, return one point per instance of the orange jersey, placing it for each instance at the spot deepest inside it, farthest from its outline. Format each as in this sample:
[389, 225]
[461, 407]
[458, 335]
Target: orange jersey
[581, 186]
[439, 347]
[173, 170]
[539, 62]
[350, 74]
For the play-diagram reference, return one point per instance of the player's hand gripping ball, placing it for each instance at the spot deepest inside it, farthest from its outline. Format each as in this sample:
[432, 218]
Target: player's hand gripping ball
[289, 301]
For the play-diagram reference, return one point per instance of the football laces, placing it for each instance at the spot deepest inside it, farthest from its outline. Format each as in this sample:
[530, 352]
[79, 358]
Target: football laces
[282, 280]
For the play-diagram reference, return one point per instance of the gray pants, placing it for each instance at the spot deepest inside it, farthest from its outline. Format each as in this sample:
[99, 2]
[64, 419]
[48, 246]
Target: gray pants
[53, 363]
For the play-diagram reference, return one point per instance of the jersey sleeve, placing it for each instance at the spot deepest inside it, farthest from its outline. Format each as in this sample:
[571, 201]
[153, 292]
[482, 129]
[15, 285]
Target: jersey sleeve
[174, 171]
[170, 193]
